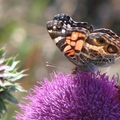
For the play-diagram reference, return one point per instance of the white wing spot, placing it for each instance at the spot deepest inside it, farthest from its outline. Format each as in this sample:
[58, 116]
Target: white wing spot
[56, 40]
[63, 31]
[54, 27]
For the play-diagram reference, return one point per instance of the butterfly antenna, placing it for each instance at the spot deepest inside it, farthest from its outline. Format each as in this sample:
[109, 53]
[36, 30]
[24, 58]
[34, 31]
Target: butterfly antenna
[108, 69]
[48, 64]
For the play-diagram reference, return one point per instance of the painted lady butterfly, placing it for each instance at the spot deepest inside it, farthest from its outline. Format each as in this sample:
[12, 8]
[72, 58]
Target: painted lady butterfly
[83, 45]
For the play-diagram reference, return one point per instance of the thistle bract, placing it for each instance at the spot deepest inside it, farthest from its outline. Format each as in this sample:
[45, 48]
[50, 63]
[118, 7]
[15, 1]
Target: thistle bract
[8, 77]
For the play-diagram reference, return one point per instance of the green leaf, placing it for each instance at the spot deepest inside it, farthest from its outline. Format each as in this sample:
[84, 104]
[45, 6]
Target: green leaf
[16, 88]
[9, 61]
[2, 95]
[2, 106]
[9, 74]
[10, 97]
[2, 52]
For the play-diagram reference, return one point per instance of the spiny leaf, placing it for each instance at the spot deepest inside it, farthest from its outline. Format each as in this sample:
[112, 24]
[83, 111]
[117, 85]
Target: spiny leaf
[9, 74]
[16, 88]
[2, 95]
[10, 97]
[2, 106]
[2, 52]
[9, 61]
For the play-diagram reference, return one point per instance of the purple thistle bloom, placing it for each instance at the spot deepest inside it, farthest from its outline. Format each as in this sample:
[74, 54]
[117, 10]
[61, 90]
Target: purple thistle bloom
[80, 96]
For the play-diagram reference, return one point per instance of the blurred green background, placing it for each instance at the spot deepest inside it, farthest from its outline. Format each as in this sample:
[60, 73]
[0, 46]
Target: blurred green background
[23, 33]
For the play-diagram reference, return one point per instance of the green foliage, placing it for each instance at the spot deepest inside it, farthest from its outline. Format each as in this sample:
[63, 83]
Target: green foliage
[8, 77]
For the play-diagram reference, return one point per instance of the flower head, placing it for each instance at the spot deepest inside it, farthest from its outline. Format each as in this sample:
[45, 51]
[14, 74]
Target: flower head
[80, 96]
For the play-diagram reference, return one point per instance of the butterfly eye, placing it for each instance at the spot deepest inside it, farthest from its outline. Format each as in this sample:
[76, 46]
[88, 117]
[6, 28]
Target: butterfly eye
[100, 40]
[112, 49]
[60, 24]
[49, 25]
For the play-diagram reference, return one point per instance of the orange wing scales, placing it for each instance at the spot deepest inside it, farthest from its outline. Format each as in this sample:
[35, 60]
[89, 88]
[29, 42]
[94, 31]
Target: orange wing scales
[74, 36]
[79, 45]
[76, 40]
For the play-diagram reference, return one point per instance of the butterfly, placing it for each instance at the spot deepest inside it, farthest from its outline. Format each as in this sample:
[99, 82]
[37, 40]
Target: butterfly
[87, 48]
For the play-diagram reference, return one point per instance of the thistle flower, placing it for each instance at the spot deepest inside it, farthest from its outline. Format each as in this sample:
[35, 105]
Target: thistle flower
[80, 96]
